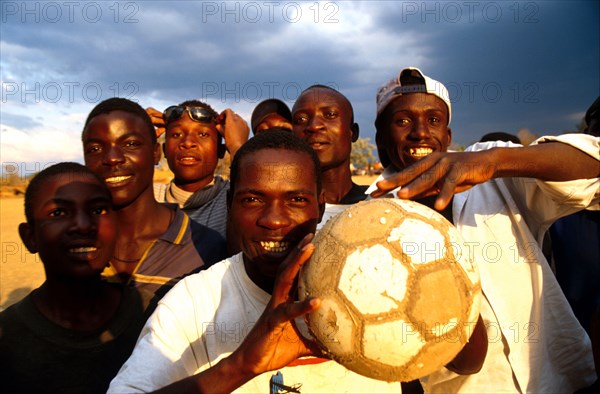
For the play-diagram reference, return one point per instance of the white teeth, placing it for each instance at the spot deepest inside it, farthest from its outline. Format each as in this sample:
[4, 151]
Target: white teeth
[84, 249]
[277, 246]
[420, 152]
[116, 179]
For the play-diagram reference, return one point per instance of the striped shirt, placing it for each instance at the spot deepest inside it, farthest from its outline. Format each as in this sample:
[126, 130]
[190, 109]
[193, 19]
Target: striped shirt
[207, 208]
[168, 259]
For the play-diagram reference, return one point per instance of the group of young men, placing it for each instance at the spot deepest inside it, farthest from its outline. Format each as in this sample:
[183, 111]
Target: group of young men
[215, 260]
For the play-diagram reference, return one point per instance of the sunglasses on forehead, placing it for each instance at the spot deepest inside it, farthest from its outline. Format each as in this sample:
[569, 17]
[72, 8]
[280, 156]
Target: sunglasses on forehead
[197, 114]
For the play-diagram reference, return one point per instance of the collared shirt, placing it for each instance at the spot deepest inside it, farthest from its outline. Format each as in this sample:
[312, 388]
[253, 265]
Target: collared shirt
[168, 259]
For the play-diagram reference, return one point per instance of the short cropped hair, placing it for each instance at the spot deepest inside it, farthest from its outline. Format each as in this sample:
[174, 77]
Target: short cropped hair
[319, 86]
[273, 138]
[65, 168]
[125, 105]
[500, 136]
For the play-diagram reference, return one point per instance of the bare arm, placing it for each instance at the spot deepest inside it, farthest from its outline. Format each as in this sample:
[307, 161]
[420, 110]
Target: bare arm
[234, 129]
[157, 120]
[453, 172]
[272, 343]
[471, 357]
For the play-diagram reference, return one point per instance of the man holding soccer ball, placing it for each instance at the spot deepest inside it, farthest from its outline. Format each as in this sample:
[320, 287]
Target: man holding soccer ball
[499, 196]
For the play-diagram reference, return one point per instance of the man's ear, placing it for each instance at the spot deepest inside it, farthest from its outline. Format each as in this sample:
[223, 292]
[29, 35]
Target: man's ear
[27, 236]
[157, 153]
[355, 131]
[449, 136]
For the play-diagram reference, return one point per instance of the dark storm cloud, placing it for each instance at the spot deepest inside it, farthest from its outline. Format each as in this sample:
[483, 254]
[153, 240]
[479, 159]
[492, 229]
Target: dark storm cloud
[516, 65]
[534, 65]
[168, 51]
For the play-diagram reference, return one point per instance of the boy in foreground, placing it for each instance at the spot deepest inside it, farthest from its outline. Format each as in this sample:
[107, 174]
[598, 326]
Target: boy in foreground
[74, 332]
[227, 326]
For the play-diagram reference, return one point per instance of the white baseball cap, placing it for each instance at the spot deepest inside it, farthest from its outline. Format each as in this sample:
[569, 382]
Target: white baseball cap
[411, 80]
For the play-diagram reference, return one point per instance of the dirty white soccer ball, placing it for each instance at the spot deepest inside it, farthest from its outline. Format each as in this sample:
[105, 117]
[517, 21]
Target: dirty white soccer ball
[400, 293]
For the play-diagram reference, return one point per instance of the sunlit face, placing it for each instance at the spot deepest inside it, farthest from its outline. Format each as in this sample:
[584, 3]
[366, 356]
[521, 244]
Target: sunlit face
[274, 205]
[74, 228]
[191, 151]
[273, 120]
[415, 125]
[119, 149]
[323, 118]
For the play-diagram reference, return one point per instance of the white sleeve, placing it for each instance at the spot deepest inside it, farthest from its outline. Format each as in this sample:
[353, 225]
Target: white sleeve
[167, 349]
[584, 142]
[579, 193]
[571, 196]
[547, 201]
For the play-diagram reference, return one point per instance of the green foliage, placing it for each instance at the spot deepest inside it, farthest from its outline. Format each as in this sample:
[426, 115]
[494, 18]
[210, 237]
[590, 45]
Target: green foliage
[362, 153]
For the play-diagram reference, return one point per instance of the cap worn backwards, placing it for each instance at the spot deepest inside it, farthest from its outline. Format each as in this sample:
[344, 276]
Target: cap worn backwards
[411, 80]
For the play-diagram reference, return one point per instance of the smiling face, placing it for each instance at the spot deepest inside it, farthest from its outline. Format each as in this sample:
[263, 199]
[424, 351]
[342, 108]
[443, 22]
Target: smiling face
[274, 205]
[415, 125]
[323, 118]
[73, 228]
[191, 151]
[119, 149]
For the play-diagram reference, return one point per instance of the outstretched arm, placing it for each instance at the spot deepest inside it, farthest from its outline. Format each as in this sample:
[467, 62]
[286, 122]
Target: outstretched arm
[272, 343]
[453, 172]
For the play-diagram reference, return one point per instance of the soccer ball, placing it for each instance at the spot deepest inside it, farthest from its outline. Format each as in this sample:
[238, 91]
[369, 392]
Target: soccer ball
[399, 292]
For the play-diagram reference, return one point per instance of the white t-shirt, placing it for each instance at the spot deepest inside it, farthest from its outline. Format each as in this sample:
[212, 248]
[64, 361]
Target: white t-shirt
[535, 342]
[203, 319]
[331, 210]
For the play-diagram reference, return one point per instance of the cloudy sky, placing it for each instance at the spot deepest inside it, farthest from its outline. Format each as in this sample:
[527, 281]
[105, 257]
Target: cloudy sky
[508, 65]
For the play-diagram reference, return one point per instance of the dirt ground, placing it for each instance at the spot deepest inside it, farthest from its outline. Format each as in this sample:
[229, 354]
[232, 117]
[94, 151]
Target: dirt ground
[20, 271]
[364, 179]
